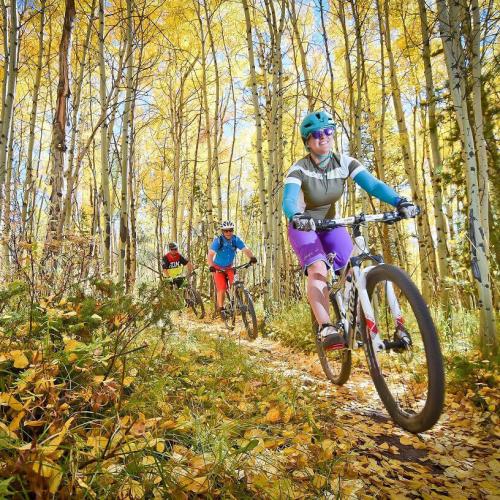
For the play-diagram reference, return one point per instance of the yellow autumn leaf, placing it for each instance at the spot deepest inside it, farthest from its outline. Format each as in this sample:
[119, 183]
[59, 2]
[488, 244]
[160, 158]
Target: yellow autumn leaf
[71, 344]
[127, 381]
[9, 400]
[19, 358]
[287, 415]
[273, 415]
[98, 443]
[5, 430]
[55, 481]
[318, 481]
[55, 440]
[44, 384]
[45, 468]
[196, 485]
[327, 449]
[16, 421]
[406, 441]
[148, 460]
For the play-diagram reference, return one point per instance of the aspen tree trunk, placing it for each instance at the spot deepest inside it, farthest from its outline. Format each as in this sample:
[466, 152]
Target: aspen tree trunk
[328, 56]
[7, 208]
[124, 152]
[263, 198]
[351, 126]
[274, 136]
[72, 173]
[453, 51]
[428, 241]
[426, 285]
[105, 196]
[206, 109]
[193, 187]
[482, 159]
[278, 171]
[437, 165]
[303, 61]
[131, 271]
[217, 118]
[8, 88]
[386, 236]
[233, 137]
[58, 146]
[355, 143]
[28, 191]
[373, 128]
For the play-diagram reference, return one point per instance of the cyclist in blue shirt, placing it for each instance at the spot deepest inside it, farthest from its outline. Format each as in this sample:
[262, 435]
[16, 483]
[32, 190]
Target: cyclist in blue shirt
[221, 257]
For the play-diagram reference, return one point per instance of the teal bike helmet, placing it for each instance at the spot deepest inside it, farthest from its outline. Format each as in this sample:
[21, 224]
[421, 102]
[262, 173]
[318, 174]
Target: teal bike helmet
[315, 121]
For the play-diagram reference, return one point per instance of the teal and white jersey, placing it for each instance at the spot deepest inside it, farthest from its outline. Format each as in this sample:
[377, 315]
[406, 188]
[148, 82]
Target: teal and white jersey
[320, 187]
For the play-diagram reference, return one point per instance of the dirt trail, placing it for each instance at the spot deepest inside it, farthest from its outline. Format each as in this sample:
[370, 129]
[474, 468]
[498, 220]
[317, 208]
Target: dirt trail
[458, 458]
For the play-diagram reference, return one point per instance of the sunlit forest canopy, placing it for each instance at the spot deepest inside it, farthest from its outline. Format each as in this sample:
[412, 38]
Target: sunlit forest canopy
[128, 124]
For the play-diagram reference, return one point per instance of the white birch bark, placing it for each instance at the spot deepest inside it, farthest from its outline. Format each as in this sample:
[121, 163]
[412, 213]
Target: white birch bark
[447, 17]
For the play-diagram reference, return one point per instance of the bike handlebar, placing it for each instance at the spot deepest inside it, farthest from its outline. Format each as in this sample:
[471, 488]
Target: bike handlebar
[234, 268]
[386, 217]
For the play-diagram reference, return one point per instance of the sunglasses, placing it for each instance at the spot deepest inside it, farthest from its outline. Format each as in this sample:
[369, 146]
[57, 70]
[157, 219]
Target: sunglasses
[228, 230]
[318, 134]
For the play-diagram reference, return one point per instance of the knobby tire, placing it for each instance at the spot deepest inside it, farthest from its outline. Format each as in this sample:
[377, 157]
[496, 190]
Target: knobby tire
[431, 411]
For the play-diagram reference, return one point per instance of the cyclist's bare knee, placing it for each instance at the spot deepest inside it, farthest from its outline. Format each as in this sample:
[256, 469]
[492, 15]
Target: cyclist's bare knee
[317, 271]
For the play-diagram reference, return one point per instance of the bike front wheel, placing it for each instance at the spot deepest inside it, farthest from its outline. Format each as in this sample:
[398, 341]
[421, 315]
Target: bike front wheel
[194, 301]
[409, 373]
[229, 314]
[247, 310]
[337, 363]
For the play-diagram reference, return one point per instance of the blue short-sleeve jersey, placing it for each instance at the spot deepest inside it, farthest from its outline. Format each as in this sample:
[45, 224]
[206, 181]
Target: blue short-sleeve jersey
[224, 255]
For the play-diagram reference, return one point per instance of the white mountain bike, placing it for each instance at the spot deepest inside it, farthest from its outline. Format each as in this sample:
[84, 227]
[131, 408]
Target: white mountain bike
[379, 308]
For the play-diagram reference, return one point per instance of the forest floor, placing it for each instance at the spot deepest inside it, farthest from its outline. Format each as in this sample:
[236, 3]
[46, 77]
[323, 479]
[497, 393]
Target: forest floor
[458, 458]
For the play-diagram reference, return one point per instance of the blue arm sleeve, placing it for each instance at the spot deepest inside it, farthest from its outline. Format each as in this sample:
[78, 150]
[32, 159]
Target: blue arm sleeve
[290, 195]
[376, 188]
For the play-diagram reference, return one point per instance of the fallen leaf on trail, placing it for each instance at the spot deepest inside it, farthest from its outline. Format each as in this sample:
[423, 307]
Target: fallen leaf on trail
[16, 421]
[20, 359]
[55, 440]
[5, 430]
[45, 468]
[9, 400]
[406, 441]
[273, 415]
[196, 485]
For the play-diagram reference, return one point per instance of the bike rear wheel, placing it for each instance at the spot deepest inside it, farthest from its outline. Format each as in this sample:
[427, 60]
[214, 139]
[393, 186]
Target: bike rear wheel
[409, 377]
[337, 363]
[247, 310]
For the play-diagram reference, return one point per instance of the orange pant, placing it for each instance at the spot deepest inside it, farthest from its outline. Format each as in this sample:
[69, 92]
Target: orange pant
[220, 278]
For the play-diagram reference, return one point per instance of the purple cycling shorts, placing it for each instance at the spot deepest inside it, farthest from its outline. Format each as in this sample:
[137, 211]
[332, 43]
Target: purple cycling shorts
[310, 246]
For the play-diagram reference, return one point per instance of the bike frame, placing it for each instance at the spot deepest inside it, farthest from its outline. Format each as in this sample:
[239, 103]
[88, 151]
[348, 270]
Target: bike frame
[353, 281]
[237, 283]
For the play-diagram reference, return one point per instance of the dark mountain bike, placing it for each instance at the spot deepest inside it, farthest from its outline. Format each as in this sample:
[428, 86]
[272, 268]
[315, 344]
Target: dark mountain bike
[379, 308]
[193, 298]
[238, 300]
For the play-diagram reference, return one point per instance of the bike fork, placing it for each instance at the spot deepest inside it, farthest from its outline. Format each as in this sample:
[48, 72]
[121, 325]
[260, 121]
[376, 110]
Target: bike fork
[360, 280]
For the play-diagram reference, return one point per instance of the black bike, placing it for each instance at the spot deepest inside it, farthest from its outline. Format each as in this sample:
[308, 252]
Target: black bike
[238, 299]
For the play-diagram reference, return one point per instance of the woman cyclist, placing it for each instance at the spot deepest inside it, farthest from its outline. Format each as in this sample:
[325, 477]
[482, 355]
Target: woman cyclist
[311, 188]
